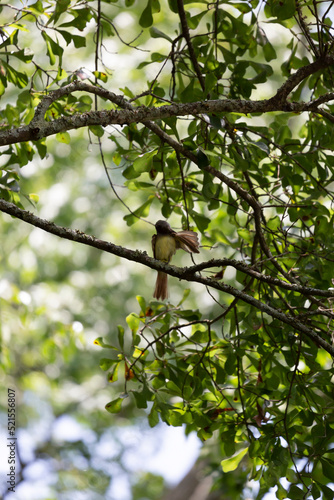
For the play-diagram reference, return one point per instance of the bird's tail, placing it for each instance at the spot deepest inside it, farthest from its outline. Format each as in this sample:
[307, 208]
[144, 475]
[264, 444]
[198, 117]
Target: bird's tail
[161, 286]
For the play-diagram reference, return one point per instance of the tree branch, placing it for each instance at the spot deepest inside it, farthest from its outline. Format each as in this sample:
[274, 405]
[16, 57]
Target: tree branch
[186, 34]
[39, 128]
[265, 278]
[143, 258]
[301, 74]
[326, 115]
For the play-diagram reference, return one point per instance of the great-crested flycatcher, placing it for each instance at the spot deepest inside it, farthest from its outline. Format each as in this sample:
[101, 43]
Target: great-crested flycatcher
[164, 245]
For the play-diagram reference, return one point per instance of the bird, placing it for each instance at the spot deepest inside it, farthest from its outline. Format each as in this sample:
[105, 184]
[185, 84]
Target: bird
[164, 245]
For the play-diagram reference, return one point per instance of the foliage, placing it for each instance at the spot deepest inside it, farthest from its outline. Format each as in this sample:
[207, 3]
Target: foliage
[248, 361]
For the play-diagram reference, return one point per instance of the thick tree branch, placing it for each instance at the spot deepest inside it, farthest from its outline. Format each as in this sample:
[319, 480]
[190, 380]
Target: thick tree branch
[39, 128]
[143, 258]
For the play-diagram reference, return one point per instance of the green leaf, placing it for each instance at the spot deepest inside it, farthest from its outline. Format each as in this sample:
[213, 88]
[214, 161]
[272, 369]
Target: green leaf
[315, 491]
[79, 41]
[156, 33]
[114, 406]
[120, 334]
[34, 197]
[209, 188]
[191, 92]
[201, 221]
[130, 173]
[52, 48]
[61, 7]
[63, 137]
[24, 55]
[144, 162]
[216, 122]
[100, 342]
[96, 130]
[37, 7]
[230, 464]
[269, 52]
[141, 211]
[146, 18]
[161, 352]
[245, 235]
[156, 6]
[100, 75]
[16, 77]
[133, 322]
[229, 57]
[296, 493]
[113, 374]
[193, 21]
[106, 363]
[230, 363]
[141, 401]
[185, 296]
[156, 57]
[327, 492]
[2, 87]
[282, 9]
[274, 223]
[173, 6]
[281, 492]
[153, 417]
[327, 468]
[80, 20]
[142, 303]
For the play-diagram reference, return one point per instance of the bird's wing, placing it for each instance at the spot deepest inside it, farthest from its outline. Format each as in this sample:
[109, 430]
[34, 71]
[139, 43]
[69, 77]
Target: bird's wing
[154, 237]
[188, 241]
